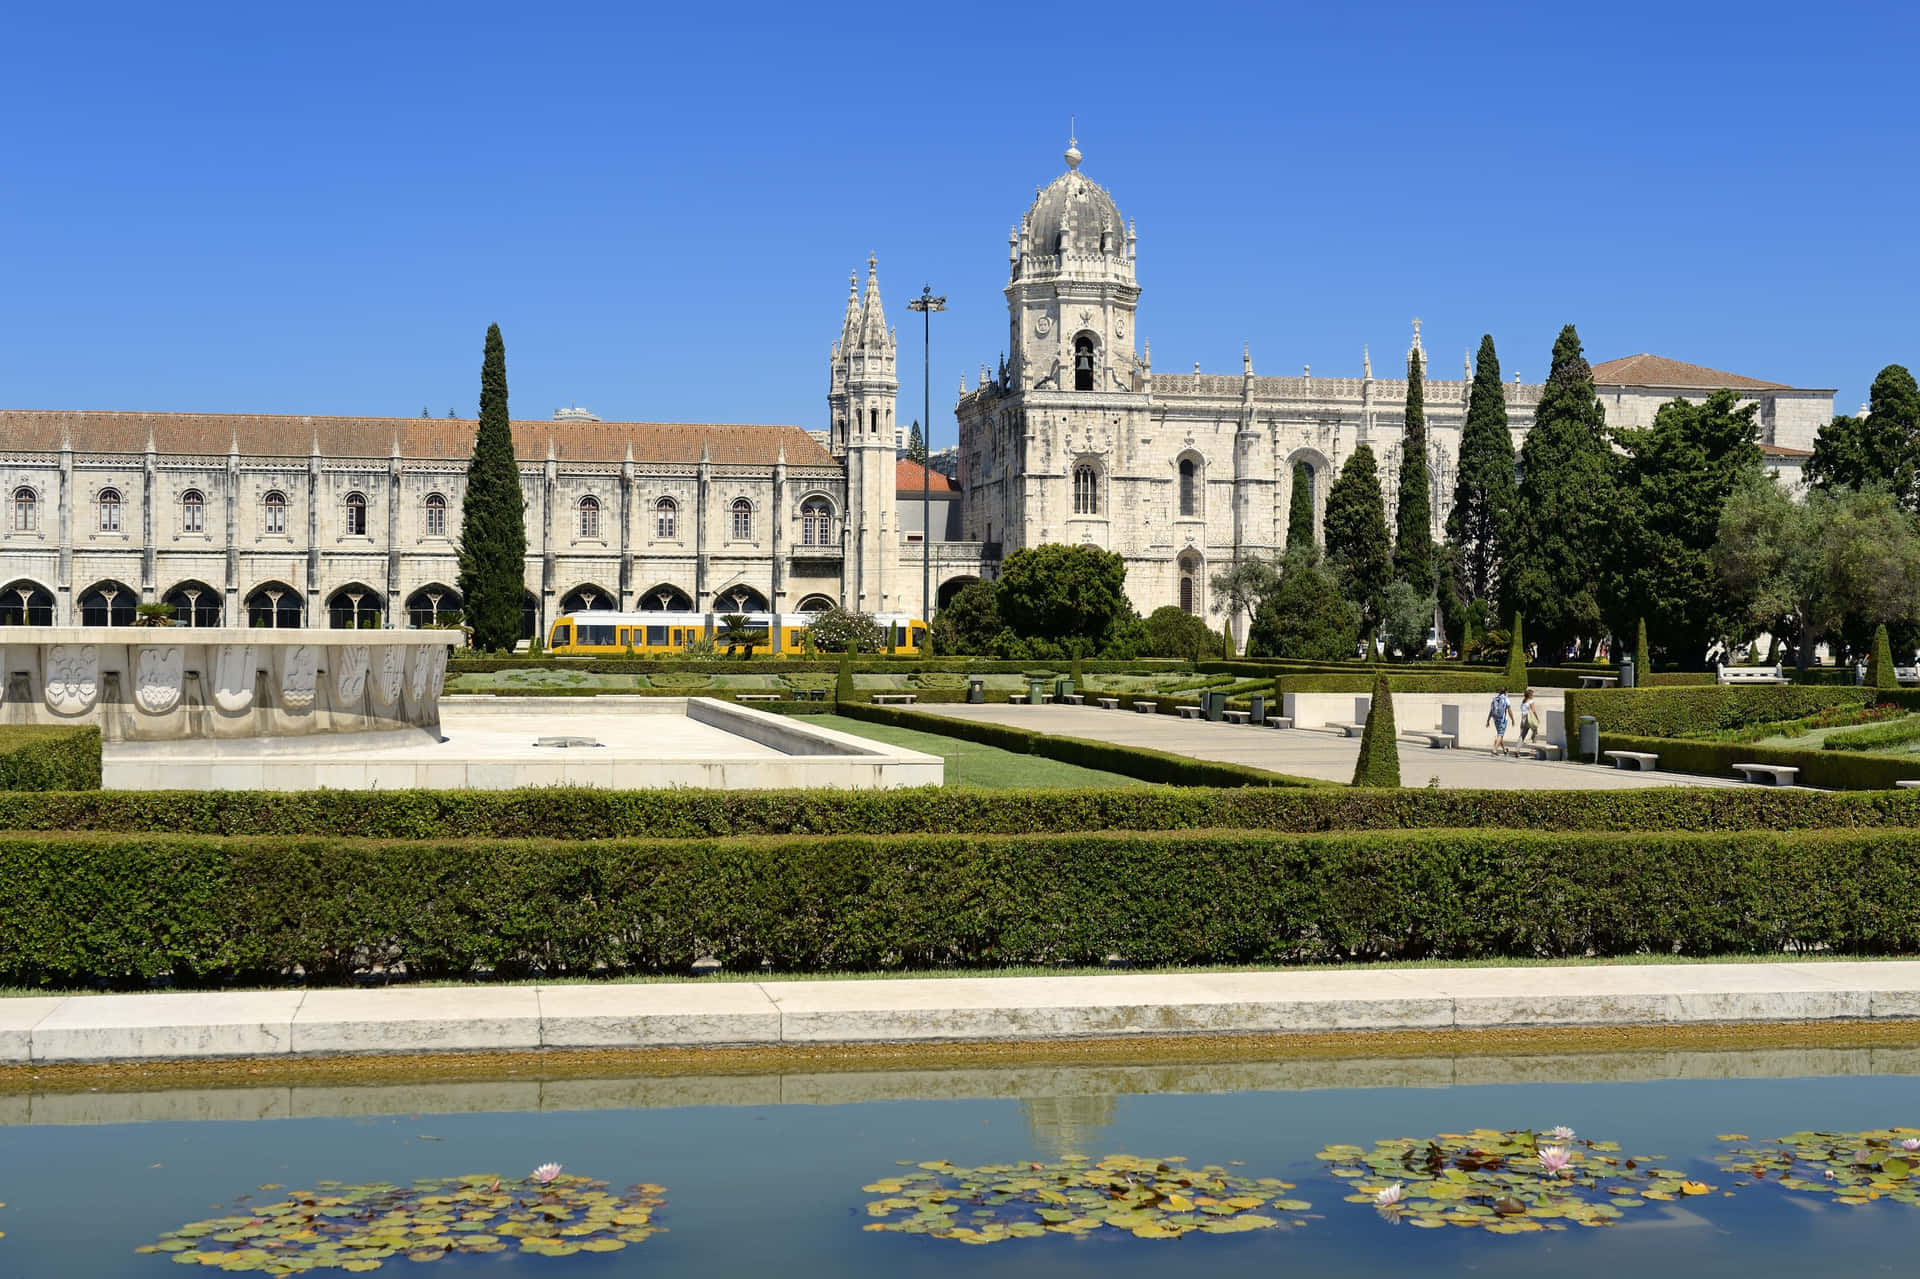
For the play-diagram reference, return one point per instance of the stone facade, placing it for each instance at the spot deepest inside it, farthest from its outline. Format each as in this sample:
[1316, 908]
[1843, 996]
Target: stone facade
[1077, 439]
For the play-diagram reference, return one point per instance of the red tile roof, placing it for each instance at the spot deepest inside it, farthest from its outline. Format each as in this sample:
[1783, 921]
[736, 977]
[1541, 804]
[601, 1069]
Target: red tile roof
[1781, 450]
[259, 435]
[906, 478]
[1659, 371]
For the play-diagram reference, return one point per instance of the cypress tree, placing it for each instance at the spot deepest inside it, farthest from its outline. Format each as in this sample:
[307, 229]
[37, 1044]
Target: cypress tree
[1480, 526]
[1516, 659]
[493, 530]
[1379, 762]
[1880, 661]
[1642, 655]
[1356, 534]
[916, 445]
[1413, 517]
[1300, 511]
[1562, 526]
[843, 683]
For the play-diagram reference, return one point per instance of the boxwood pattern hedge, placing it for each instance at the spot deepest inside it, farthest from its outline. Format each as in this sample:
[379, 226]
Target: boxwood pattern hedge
[87, 907]
[1676, 712]
[1834, 770]
[35, 757]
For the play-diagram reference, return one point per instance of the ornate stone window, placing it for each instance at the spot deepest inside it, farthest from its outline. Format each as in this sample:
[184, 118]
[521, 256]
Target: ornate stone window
[273, 514]
[590, 517]
[193, 512]
[666, 519]
[356, 515]
[436, 516]
[26, 510]
[1086, 489]
[1189, 487]
[742, 513]
[109, 504]
[1189, 583]
[816, 522]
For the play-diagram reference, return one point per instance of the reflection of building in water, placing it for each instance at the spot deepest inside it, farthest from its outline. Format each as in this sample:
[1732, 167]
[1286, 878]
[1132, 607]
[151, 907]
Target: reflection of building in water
[1067, 1125]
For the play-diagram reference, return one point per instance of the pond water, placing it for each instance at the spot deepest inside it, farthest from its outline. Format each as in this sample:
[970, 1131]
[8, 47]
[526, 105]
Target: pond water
[764, 1175]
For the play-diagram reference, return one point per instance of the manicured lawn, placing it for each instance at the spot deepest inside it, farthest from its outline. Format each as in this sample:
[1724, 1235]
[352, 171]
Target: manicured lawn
[971, 764]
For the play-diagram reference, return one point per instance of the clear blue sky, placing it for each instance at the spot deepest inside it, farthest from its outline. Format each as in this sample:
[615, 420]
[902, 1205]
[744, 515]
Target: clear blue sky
[319, 209]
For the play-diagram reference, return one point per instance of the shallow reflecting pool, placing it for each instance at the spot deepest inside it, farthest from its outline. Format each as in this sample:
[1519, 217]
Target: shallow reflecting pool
[765, 1174]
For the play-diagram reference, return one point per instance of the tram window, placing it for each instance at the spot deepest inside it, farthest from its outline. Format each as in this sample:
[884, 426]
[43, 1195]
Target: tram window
[656, 636]
[562, 636]
[596, 634]
[676, 637]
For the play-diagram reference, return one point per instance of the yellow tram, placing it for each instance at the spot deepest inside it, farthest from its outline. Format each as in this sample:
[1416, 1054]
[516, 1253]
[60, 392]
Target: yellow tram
[603, 633]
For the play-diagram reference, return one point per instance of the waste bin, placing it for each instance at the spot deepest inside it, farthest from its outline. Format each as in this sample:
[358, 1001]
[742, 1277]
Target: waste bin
[976, 689]
[1061, 687]
[1258, 713]
[1627, 673]
[1590, 739]
[1216, 706]
[1036, 691]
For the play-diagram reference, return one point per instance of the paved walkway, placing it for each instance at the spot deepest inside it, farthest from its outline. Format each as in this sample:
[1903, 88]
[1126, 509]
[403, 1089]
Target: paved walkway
[174, 1026]
[1312, 752]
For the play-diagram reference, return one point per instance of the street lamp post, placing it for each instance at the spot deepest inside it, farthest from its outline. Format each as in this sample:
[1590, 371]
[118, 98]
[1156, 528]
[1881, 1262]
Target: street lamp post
[926, 304]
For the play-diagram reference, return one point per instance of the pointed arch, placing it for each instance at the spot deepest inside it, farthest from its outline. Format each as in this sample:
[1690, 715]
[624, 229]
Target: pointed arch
[273, 606]
[665, 598]
[24, 602]
[355, 606]
[109, 603]
[589, 597]
[194, 603]
[740, 598]
[815, 604]
[433, 605]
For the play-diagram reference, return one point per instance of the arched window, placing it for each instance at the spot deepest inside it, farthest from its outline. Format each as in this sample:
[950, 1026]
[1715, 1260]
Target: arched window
[109, 604]
[436, 515]
[1189, 487]
[109, 510]
[666, 519]
[193, 604]
[816, 522]
[26, 510]
[589, 517]
[193, 512]
[1190, 583]
[432, 606]
[273, 514]
[1083, 362]
[355, 607]
[743, 519]
[1086, 490]
[273, 605]
[356, 515]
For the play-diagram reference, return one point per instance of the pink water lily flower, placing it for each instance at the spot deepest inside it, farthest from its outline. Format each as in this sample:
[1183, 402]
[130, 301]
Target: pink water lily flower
[1390, 1196]
[1910, 1144]
[545, 1173]
[1561, 1133]
[1555, 1160]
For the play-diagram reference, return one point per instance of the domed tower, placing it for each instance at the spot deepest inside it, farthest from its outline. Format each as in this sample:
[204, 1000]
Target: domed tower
[1071, 294]
[863, 385]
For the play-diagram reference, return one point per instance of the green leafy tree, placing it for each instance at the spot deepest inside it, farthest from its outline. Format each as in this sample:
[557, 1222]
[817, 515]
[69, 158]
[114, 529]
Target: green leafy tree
[916, 445]
[1405, 618]
[1379, 762]
[1480, 525]
[970, 623]
[1239, 588]
[1880, 450]
[1673, 478]
[1561, 530]
[493, 530]
[737, 632]
[1171, 631]
[1516, 657]
[1300, 511]
[1880, 660]
[1306, 618]
[1413, 515]
[1064, 594]
[1358, 549]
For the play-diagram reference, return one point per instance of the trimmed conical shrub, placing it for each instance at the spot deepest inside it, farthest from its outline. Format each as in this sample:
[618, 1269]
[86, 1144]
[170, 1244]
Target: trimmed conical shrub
[843, 686]
[1379, 762]
[1880, 661]
[1773, 652]
[1516, 659]
[1642, 656]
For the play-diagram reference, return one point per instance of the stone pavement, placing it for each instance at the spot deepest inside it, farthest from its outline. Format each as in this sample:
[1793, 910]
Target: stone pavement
[1315, 752]
[176, 1026]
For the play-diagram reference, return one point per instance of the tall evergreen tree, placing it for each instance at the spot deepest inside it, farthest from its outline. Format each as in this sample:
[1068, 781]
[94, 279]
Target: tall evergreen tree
[493, 531]
[1300, 511]
[1356, 534]
[1560, 530]
[916, 445]
[1880, 450]
[1480, 526]
[1413, 517]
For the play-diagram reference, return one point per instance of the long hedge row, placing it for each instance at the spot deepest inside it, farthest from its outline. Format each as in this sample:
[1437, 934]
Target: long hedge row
[1676, 712]
[37, 757]
[587, 813]
[1128, 761]
[828, 664]
[86, 908]
[1834, 770]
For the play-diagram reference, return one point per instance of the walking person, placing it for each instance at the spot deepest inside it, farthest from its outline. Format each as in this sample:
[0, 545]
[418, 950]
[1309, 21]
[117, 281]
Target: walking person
[1497, 716]
[1529, 717]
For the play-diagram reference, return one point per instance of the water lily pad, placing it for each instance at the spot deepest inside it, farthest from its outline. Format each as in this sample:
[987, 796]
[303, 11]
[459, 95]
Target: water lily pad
[1503, 1182]
[1855, 1168]
[359, 1228]
[1120, 1194]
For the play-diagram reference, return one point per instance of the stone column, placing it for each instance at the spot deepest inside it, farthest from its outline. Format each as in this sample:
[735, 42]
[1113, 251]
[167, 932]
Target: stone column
[314, 602]
[626, 532]
[394, 603]
[63, 589]
[777, 526]
[232, 584]
[150, 485]
[701, 505]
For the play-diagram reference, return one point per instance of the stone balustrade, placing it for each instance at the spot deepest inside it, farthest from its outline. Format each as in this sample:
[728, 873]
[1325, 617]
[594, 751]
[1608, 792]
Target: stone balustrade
[173, 683]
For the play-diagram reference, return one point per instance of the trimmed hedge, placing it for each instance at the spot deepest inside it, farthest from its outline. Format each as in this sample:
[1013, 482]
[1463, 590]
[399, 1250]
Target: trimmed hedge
[46, 757]
[1128, 761]
[1677, 712]
[586, 813]
[828, 665]
[1874, 736]
[84, 908]
[1835, 770]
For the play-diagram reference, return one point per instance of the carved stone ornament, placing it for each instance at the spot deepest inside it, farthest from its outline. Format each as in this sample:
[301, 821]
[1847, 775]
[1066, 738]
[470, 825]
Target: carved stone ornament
[422, 671]
[73, 678]
[157, 675]
[1043, 325]
[299, 677]
[393, 665]
[350, 663]
[233, 667]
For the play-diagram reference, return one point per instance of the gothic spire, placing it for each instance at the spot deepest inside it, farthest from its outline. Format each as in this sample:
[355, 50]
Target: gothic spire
[873, 319]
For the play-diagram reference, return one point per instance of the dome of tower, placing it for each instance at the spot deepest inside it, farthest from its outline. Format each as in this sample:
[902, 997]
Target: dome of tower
[1074, 215]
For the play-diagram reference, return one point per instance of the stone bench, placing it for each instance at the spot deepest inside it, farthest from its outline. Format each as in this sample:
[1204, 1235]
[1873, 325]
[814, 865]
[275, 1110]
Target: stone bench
[1144, 707]
[1347, 730]
[1236, 717]
[1752, 675]
[1906, 674]
[756, 697]
[1191, 712]
[1073, 699]
[1438, 741]
[1017, 699]
[1109, 703]
[1768, 774]
[1279, 721]
[1906, 783]
[1544, 750]
[1634, 759]
[1599, 681]
[894, 699]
